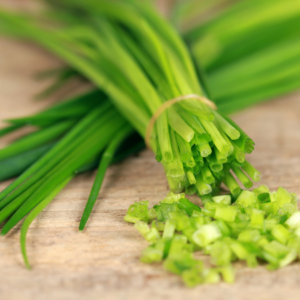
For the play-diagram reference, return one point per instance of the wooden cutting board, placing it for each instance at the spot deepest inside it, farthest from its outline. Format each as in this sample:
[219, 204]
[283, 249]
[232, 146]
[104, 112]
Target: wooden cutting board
[103, 261]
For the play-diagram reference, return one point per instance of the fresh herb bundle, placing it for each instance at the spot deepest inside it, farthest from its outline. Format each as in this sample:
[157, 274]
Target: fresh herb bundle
[192, 141]
[260, 226]
[249, 50]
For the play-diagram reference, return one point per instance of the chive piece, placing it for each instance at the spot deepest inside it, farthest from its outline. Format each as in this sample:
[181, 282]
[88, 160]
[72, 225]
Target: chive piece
[188, 206]
[191, 189]
[33, 214]
[223, 199]
[227, 213]
[104, 163]
[206, 198]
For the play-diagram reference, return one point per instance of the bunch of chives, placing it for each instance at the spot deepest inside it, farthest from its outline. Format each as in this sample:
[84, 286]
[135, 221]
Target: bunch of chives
[251, 62]
[192, 141]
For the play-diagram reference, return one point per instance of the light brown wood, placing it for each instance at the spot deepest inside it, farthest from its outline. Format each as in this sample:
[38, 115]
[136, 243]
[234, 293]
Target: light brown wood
[103, 261]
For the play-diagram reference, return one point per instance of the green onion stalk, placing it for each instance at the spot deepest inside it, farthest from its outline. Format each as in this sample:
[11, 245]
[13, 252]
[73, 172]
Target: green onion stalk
[249, 51]
[130, 52]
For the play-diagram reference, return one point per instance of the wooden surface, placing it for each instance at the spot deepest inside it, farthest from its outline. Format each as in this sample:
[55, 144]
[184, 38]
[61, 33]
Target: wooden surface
[103, 261]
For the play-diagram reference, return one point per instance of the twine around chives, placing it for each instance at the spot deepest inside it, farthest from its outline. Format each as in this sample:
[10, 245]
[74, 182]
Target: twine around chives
[169, 103]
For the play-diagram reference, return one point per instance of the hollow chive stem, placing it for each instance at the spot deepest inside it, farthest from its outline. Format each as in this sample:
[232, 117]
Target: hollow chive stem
[164, 137]
[63, 170]
[199, 160]
[207, 176]
[247, 183]
[230, 130]
[202, 187]
[214, 164]
[191, 177]
[158, 154]
[251, 171]
[208, 116]
[104, 163]
[191, 163]
[179, 125]
[192, 121]
[58, 149]
[216, 137]
[35, 139]
[9, 209]
[75, 107]
[174, 170]
[80, 141]
[238, 153]
[232, 184]
[34, 213]
[244, 142]
[15, 165]
[191, 189]
[184, 149]
[220, 157]
[9, 129]
[204, 149]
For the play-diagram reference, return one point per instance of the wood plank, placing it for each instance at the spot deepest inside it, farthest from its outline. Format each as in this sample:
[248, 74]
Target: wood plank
[103, 261]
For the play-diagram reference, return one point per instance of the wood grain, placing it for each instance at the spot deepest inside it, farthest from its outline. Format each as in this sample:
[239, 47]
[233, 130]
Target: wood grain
[103, 261]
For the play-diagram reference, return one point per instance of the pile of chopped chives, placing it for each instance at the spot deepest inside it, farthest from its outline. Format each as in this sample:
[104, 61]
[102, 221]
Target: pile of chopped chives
[259, 226]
